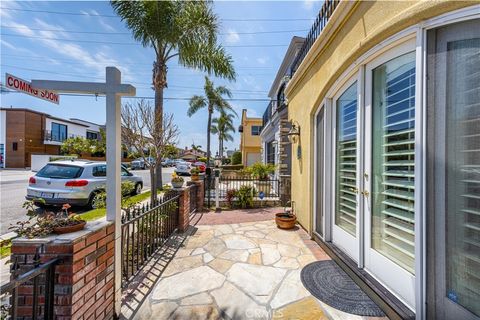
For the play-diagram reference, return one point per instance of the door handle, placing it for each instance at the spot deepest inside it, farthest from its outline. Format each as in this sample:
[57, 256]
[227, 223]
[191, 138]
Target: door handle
[365, 193]
[354, 190]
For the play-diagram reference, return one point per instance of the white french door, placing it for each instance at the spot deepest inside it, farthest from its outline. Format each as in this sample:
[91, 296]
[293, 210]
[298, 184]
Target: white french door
[345, 222]
[388, 177]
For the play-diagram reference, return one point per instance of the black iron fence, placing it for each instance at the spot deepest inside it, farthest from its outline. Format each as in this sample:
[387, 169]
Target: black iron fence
[31, 294]
[193, 199]
[146, 229]
[323, 17]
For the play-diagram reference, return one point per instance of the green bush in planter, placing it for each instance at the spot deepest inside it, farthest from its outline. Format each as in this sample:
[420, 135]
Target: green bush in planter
[260, 170]
[236, 158]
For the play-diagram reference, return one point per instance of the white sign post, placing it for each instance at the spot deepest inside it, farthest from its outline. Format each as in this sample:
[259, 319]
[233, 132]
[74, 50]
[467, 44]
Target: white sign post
[113, 89]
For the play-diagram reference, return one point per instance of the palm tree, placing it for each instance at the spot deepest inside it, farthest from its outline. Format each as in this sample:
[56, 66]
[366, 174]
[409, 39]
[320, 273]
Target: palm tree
[213, 101]
[182, 30]
[223, 126]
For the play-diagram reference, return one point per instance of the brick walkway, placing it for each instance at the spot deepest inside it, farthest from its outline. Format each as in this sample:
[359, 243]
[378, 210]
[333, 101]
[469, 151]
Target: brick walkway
[236, 216]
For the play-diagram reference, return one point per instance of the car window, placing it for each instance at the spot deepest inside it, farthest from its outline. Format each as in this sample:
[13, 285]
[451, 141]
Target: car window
[124, 172]
[99, 171]
[60, 171]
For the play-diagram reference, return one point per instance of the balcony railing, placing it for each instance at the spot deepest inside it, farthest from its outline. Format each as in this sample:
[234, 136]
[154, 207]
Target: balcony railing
[321, 21]
[273, 107]
[48, 135]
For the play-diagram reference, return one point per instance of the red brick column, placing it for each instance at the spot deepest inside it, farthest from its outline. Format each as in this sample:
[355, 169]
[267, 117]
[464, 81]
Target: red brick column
[200, 193]
[183, 207]
[84, 284]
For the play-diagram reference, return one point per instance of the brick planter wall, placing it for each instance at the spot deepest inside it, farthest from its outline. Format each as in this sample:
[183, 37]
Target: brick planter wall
[184, 203]
[84, 280]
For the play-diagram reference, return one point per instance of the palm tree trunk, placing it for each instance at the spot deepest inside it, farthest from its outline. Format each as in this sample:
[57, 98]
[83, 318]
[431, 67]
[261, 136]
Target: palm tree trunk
[153, 193]
[209, 128]
[220, 151]
[159, 84]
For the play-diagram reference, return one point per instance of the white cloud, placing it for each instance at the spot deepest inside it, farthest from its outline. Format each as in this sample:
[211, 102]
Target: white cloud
[308, 4]
[232, 36]
[262, 60]
[8, 44]
[102, 22]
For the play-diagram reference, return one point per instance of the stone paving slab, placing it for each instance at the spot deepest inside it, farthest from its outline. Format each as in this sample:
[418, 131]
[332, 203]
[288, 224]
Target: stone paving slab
[241, 270]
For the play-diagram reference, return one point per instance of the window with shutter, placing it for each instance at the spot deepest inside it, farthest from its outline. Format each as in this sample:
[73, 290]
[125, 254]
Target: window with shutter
[393, 147]
[346, 160]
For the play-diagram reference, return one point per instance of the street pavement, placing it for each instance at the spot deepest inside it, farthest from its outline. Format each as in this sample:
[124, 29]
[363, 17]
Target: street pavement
[13, 188]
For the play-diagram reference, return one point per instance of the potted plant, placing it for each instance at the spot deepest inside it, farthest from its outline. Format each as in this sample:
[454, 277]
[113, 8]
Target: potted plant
[262, 172]
[286, 219]
[177, 181]
[47, 222]
[65, 222]
[195, 174]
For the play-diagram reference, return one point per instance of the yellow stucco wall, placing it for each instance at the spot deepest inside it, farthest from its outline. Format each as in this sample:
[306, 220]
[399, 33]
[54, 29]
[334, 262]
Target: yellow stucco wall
[248, 142]
[364, 25]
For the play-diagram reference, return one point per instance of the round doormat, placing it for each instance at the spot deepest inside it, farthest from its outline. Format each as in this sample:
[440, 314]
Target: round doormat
[329, 283]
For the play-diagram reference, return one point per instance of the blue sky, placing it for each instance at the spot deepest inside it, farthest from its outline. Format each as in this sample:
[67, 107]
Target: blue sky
[47, 45]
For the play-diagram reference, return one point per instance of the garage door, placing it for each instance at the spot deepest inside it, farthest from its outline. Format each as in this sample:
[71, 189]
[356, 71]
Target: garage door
[252, 158]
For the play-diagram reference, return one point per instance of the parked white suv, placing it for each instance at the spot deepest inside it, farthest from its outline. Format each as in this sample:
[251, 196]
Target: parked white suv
[183, 168]
[74, 182]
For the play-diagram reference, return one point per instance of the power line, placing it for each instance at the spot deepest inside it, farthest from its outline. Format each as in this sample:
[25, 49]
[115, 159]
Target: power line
[73, 61]
[115, 16]
[128, 33]
[153, 98]
[136, 83]
[135, 43]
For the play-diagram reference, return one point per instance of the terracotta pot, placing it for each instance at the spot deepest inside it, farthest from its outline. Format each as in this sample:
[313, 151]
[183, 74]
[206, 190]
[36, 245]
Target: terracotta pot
[177, 184]
[68, 229]
[195, 177]
[285, 221]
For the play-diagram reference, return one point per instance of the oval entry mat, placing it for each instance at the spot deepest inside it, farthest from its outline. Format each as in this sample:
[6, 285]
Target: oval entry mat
[327, 282]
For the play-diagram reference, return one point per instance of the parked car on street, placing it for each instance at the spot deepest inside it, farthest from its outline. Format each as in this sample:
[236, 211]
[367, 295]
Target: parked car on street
[75, 182]
[168, 163]
[183, 168]
[200, 165]
[139, 164]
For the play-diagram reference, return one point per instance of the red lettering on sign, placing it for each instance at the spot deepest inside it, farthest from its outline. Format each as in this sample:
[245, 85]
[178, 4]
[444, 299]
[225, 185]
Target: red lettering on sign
[25, 86]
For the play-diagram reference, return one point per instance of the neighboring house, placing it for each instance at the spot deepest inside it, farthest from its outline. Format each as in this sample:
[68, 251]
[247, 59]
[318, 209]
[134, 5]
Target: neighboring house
[387, 99]
[250, 143]
[276, 148]
[25, 132]
[191, 154]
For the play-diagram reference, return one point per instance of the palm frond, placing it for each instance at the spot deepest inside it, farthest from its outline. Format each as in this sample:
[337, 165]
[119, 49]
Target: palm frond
[196, 103]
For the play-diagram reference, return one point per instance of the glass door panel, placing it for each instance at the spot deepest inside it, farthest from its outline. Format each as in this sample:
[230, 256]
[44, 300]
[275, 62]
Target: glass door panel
[463, 174]
[319, 217]
[393, 151]
[346, 161]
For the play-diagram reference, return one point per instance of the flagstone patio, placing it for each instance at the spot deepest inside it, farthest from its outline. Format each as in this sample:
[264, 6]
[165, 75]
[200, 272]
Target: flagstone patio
[248, 270]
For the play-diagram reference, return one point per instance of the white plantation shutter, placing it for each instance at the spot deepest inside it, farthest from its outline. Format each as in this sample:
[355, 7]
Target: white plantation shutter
[346, 166]
[393, 161]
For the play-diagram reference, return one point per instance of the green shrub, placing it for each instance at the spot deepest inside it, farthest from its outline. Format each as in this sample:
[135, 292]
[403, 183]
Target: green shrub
[245, 196]
[202, 159]
[260, 170]
[100, 200]
[233, 167]
[236, 157]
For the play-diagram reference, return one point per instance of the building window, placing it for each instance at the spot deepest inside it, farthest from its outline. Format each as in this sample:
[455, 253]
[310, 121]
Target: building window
[59, 132]
[256, 130]
[2, 155]
[393, 151]
[92, 135]
[270, 150]
[281, 96]
[15, 146]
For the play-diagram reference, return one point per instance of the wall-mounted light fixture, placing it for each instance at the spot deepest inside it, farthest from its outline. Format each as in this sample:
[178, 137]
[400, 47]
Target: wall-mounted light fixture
[294, 133]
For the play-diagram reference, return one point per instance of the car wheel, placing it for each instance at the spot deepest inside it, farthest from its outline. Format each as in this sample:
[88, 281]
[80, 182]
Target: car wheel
[138, 188]
[91, 201]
